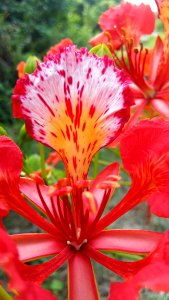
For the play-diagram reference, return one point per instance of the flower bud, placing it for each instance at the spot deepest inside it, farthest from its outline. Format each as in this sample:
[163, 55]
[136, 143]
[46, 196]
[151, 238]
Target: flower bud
[101, 50]
[2, 131]
[23, 136]
[31, 64]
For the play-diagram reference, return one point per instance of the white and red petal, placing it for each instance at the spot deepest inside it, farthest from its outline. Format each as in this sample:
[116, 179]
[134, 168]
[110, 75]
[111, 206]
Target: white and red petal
[75, 103]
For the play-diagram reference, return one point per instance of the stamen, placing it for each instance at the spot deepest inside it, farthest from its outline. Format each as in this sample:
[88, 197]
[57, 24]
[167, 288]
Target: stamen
[144, 60]
[83, 183]
[108, 185]
[89, 202]
[53, 219]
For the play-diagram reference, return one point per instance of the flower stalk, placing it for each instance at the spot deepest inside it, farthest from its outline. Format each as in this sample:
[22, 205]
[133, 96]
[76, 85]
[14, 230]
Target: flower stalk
[4, 295]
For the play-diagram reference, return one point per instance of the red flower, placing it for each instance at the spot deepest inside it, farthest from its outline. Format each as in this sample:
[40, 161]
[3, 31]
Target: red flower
[125, 19]
[154, 275]
[73, 233]
[78, 103]
[148, 69]
[75, 103]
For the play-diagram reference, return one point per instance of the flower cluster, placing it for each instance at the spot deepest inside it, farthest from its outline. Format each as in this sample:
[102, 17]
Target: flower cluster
[77, 103]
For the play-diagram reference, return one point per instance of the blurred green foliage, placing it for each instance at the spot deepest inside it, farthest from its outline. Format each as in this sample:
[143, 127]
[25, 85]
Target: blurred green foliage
[32, 27]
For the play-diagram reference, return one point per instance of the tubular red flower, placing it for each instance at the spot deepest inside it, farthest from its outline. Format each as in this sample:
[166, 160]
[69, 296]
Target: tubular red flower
[74, 102]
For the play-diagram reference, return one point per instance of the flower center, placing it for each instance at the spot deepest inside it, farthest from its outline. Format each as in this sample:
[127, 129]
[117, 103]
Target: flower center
[76, 245]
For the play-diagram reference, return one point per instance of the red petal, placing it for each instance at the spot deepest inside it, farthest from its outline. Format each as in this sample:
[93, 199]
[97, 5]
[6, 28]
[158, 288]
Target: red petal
[145, 154]
[55, 102]
[161, 210]
[9, 262]
[124, 290]
[35, 245]
[155, 58]
[82, 285]
[38, 273]
[161, 106]
[29, 189]
[59, 46]
[10, 169]
[124, 269]
[135, 241]
[34, 292]
[100, 38]
[106, 174]
[154, 275]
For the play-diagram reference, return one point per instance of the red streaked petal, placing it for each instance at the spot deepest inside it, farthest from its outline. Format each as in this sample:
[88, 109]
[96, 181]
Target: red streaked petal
[147, 137]
[10, 169]
[159, 207]
[75, 103]
[135, 241]
[106, 174]
[38, 273]
[82, 284]
[35, 245]
[145, 155]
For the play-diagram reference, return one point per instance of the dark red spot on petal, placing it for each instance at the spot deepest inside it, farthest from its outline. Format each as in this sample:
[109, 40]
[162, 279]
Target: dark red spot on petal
[81, 91]
[67, 132]
[88, 73]
[84, 126]
[52, 133]
[46, 104]
[62, 73]
[92, 110]
[70, 80]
